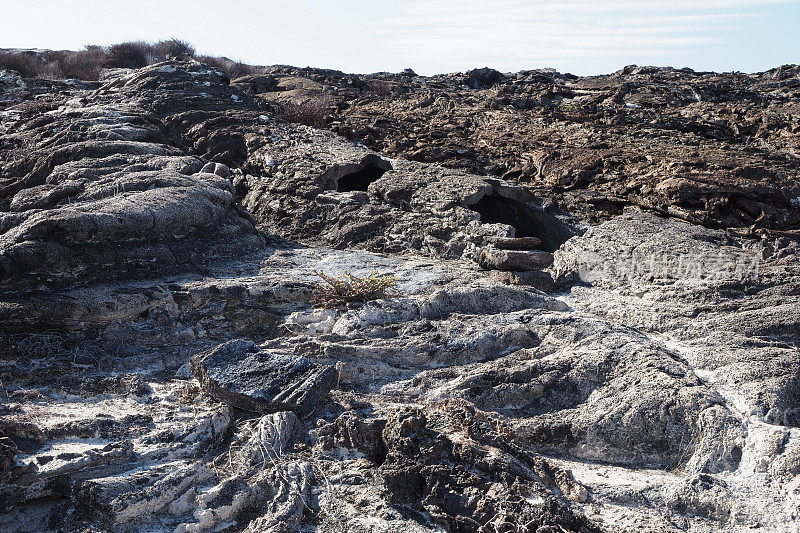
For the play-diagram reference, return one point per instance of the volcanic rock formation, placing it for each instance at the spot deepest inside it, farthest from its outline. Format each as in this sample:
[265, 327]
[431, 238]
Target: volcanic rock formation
[594, 325]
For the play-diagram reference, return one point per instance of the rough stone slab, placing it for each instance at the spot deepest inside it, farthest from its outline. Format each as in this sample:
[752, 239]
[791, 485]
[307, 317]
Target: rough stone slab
[138, 494]
[514, 260]
[515, 243]
[240, 374]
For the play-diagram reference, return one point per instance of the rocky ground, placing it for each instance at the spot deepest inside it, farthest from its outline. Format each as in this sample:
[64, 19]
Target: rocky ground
[594, 325]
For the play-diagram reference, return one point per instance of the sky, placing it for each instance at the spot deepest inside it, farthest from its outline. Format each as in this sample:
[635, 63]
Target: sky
[431, 36]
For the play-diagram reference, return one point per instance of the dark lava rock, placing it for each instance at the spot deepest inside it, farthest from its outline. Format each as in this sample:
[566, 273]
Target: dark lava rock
[8, 455]
[145, 220]
[351, 431]
[481, 78]
[716, 149]
[240, 374]
[456, 480]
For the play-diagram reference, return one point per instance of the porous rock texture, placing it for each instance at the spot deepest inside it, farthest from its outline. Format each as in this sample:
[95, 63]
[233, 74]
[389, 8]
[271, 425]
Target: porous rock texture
[600, 337]
[240, 374]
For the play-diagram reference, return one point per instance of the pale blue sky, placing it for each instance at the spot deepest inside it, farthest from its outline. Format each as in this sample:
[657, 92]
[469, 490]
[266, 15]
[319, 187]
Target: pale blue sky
[431, 36]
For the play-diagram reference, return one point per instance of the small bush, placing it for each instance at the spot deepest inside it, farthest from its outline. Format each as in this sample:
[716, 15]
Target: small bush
[237, 69]
[133, 54]
[88, 63]
[172, 48]
[83, 65]
[232, 69]
[573, 108]
[335, 291]
[312, 112]
[26, 64]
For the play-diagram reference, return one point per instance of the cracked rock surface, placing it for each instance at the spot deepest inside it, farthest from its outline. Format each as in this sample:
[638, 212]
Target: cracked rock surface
[546, 361]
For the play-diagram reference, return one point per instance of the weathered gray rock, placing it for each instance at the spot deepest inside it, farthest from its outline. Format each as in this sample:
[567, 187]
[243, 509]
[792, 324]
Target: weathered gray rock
[514, 260]
[308, 191]
[100, 194]
[256, 473]
[681, 281]
[515, 243]
[608, 394]
[660, 380]
[139, 494]
[241, 375]
[703, 496]
[291, 487]
[538, 279]
[678, 142]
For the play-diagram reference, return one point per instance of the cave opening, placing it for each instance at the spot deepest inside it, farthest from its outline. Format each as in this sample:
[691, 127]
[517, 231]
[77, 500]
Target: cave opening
[360, 180]
[527, 220]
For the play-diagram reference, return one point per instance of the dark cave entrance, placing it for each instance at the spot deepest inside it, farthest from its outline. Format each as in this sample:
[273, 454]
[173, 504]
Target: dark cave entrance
[527, 220]
[360, 180]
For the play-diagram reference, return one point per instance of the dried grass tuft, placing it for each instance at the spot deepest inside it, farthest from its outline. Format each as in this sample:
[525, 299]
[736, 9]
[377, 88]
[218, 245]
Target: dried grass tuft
[334, 291]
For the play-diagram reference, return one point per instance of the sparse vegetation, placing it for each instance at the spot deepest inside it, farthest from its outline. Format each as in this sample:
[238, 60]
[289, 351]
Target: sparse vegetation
[312, 112]
[23, 62]
[87, 64]
[172, 48]
[573, 108]
[334, 291]
[128, 55]
[83, 65]
[381, 87]
[232, 69]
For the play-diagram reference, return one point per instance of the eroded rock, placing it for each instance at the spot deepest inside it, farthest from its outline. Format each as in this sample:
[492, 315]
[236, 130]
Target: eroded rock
[143, 224]
[241, 375]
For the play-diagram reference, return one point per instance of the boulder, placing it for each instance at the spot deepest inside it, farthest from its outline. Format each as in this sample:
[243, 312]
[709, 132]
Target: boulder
[483, 78]
[243, 376]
